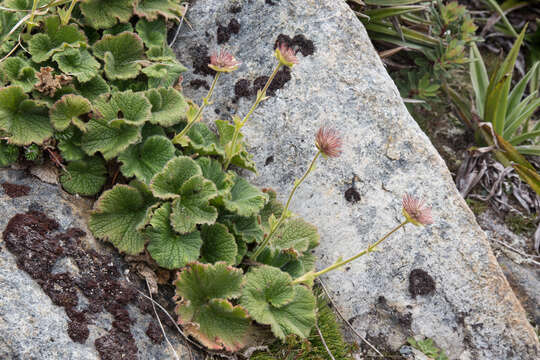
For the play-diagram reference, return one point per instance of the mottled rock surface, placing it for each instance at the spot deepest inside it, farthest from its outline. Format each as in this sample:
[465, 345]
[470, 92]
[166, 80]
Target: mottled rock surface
[471, 311]
[31, 325]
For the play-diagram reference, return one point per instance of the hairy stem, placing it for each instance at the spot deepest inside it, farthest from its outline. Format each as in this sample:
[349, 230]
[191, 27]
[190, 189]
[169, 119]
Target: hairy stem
[260, 97]
[196, 118]
[283, 216]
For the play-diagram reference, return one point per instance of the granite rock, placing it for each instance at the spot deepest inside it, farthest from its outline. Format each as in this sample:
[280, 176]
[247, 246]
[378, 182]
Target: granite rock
[31, 325]
[471, 312]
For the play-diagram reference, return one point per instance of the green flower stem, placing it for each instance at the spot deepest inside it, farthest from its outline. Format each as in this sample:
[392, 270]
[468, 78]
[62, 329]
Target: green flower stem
[31, 20]
[283, 216]
[67, 15]
[261, 95]
[206, 101]
[310, 276]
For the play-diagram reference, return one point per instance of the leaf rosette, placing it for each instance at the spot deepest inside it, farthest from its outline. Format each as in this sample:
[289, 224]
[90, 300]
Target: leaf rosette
[121, 54]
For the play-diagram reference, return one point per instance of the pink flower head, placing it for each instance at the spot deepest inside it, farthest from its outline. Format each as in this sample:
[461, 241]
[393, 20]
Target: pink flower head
[415, 211]
[223, 61]
[328, 142]
[286, 55]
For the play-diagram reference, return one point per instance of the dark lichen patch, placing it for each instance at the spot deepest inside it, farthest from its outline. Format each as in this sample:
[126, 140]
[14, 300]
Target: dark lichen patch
[198, 83]
[269, 160]
[282, 77]
[235, 9]
[299, 43]
[224, 33]
[269, 2]
[38, 244]
[14, 190]
[420, 283]
[154, 332]
[352, 195]
[241, 88]
[201, 59]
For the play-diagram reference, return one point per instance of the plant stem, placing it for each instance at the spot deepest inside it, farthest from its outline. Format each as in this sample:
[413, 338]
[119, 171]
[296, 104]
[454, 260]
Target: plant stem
[65, 20]
[338, 264]
[206, 101]
[31, 20]
[283, 216]
[260, 97]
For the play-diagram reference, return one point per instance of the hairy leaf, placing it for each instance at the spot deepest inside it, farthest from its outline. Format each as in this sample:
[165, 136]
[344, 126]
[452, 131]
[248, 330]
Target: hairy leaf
[203, 141]
[296, 234]
[77, 62]
[241, 157]
[107, 139]
[167, 184]
[120, 214]
[211, 170]
[146, 159]
[151, 9]
[247, 229]
[25, 120]
[153, 33]
[168, 106]
[93, 88]
[19, 72]
[70, 144]
[8, 153]
[102, 14]
[164, 73]
[67, 111]
[169, 249]
[55, 38]
[271, 299]
[124, 108]
[84, 177]
[246, 199]
[272, 207]
[121, 54]
[218, 244]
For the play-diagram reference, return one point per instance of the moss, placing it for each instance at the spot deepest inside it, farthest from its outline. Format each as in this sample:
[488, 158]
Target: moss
[477, 206]
[521, 224]
[313, 348]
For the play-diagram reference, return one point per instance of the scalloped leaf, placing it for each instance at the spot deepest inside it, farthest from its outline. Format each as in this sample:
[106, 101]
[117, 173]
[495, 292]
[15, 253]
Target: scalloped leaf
[124, 108]
[164, 73]
[271, 299]
[70, 144]
[77, 62]
[296, 234]
[203, 141]
[84, 177]
[168, 106]
[8, 153]
[102, 14]
[192, 208]
[120, 214]
[247, 229]
[19, 72]
[218, 244]
[169, 249]
[151, 9]
[146, 159]
[93, 88]
[288, 260]
[245, 199]
[26, 121]
[117, 29]
[121, 54]
[272, 207]
[153, 33]
[55, 38]
[68, 110]
[212, 170]
[167, 184]
[241, 157]
[107, 139]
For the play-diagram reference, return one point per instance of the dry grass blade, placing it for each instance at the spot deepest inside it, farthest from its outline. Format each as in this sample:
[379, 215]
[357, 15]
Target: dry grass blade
[390, 52]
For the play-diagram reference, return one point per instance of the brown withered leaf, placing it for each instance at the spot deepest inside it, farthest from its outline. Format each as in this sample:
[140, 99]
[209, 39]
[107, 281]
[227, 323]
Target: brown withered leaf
[49, 83]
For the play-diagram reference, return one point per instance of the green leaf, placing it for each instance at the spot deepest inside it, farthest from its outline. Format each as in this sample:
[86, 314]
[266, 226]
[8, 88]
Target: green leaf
[391, 2]
[93, 88]
[241, 157]
[19, 72]
[77, 62]
[271, 299]
[55, 38]
[107, 139]
[218, 244]
[479, 78]
[272, 207]
[167, 184]
[519, 89]
[163, 73]
[192, 208]
[203, 141]
[8, 153]
[117, 29]
[168, 106]
[169, 249]
[245, 199]
[68, 110]
[146, 159]
[296, 234]
[246, 229]
[124, 108]
[26, 121]
[102, 14]
[204, 310]
[121, 54]
[120, 214]
[84, 177]
[153, 33]
[70, 145]
[211, 170]
[151, 9]
[382, 13]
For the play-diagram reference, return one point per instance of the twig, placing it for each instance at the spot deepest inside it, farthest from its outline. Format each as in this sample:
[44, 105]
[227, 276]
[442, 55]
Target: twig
[345, 320]
[527, 256]
[159, 321]
[324, 342]
[179, 26]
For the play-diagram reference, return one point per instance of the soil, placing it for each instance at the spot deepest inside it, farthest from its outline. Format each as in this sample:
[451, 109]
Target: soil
[14, 190]
[38, 244]
[420, 283]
